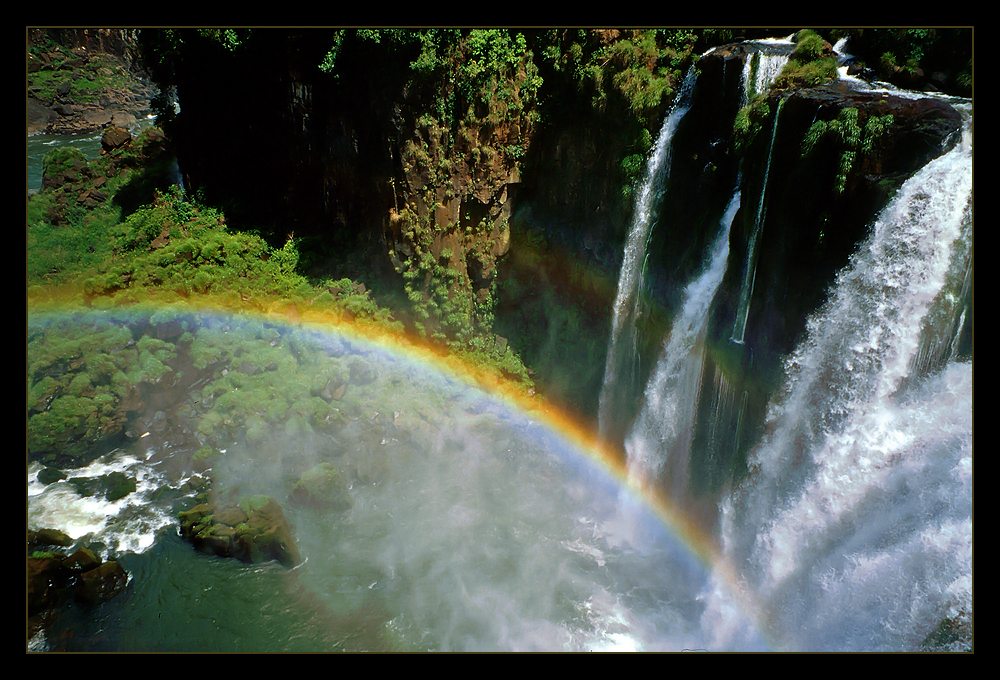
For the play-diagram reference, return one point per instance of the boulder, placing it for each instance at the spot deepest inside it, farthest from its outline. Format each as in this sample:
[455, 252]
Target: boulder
[46, 581]
[50, 475]
[101, 584]
[44, 537]
[83, 559]
[115, 138]
[113, 486]
[362, 373]
[117, 485]
[122, 119]
[255, 530]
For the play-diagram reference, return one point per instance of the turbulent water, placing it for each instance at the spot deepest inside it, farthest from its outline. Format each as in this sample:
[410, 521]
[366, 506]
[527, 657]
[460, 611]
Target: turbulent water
[664, 427]
[621, 365]
[854, 526]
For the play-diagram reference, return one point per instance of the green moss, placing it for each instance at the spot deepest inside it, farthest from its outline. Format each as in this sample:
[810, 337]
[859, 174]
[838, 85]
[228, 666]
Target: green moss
[251, 504]
[810, 74]
[749, 122]
[811, 63]
[44, 555]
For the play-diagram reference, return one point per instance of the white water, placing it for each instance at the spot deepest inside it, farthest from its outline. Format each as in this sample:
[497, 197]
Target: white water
[664, 427]
[759, 71]
[129, 524]
[750, 272]
[838, 48]
[853, 528]
[622, 355]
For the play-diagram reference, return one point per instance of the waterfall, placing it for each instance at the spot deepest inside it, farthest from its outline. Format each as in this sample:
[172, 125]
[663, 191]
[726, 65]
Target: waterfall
[621, 364]
[759, 71]
[664, 427]
[750, 271]
[853, 528]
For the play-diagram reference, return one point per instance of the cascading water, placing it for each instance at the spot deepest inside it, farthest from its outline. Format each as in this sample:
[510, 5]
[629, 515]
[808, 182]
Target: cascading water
[750, 272]
[621, 365]
[853, 529]
[760, 70]
[663, 429]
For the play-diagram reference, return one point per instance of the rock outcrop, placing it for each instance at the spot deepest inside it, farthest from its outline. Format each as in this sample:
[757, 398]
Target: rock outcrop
[82, 80]
[822, 194]
[55, 578]
[254, 530]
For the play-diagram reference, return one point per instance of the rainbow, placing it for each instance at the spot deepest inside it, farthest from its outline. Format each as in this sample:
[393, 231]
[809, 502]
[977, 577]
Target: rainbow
[579, 435]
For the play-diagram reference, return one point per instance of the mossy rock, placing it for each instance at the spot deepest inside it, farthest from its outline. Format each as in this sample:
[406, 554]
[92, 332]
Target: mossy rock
[44, 537]
[50, 475]
[117, 485]
[321, 486]
[254, 531]
[231, 516]
[362, 372]
[113, 486]
[268, 537]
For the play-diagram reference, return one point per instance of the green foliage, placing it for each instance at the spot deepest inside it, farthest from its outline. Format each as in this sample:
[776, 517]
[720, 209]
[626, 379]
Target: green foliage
[83, 79]
[812, 63]
[638, 69]
[796, 74]
[849, 137]
[44, 555]
[809, 46]
[749, 122]
[329, 62]
[228, 38]
[79, 378]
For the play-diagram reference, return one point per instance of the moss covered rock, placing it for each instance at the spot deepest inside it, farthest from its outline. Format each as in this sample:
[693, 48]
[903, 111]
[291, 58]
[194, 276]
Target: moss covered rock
[50, 475]
[44, 537]
[261, 532]
[113, 486]
[322, 486]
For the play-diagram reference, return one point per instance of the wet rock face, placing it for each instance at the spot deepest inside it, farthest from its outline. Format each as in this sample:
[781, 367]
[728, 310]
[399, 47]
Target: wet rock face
[819, 202]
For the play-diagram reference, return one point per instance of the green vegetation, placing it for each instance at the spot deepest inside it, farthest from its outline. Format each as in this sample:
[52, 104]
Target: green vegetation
[849, 137]
[642, 69]
[82, 202]
[44, 555]
[812, 63]
[749, 122]
[82, 381]
[56, 71]
[910, 56]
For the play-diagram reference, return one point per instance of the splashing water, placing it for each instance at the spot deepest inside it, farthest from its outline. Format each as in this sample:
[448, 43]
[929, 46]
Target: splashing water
[759, 71]
[621, 364]
[750, 271]
[665, 424]
[854, 524]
